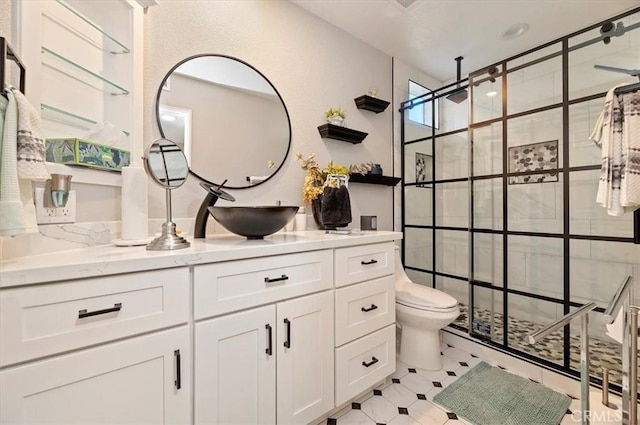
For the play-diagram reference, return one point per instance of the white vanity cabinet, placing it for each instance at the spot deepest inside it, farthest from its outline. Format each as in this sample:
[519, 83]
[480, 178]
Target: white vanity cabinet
[271, 364]
[365, 318]
[112, 350]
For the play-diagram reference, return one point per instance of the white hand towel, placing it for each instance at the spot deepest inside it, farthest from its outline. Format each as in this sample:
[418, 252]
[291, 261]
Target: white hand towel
[630, 173]
[11, 210]
[31, 150]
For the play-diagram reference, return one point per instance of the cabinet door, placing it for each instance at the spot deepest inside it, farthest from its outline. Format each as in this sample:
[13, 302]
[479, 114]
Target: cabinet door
[235, 368]
[144, 380]
[305, 358]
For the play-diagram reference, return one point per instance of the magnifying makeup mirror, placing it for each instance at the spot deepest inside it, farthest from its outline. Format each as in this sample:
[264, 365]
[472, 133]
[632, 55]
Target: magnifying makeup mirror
[167, 165]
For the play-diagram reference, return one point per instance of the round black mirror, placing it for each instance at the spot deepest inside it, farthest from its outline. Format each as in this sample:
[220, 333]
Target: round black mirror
[228, 118]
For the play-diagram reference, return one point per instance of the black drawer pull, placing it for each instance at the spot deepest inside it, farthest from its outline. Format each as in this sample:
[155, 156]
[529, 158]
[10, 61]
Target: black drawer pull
[276, 279]
[178, 380]
[84, 313]
[366, 263]
[373, 307]
[371, 363]
[287, 324]
[268, 328]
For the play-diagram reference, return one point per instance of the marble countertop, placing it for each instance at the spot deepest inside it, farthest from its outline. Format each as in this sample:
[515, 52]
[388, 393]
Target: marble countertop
[109, 259]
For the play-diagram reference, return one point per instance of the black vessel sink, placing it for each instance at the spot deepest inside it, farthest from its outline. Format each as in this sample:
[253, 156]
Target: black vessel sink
[253, 222]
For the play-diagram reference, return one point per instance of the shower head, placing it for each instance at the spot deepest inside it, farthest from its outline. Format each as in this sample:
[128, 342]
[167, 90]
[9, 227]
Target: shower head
[459, 95]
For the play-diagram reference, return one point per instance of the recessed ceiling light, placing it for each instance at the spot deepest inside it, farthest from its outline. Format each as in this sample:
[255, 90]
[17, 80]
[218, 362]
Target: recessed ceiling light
[492, 93]
[514, 31]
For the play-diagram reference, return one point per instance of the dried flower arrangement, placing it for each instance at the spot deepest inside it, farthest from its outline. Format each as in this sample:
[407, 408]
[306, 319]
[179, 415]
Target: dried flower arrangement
[316, 177]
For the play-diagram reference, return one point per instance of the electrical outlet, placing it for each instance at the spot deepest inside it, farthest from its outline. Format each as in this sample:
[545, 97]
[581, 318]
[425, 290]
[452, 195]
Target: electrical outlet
[45, 215]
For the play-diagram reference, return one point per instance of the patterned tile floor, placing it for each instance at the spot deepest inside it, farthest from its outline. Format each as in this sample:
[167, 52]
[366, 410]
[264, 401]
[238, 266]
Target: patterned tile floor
[602, 352]
[409, 399]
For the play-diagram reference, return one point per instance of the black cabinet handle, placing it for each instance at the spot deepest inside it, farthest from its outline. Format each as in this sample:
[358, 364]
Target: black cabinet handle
[366, 263]
[373, 307]
[371, 363]
[84, 313]
[268, 350]
[276, 279]
[287, 324]
[178, 380]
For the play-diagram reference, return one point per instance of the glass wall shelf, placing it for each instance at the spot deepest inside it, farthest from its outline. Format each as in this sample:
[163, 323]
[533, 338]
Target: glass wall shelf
[56, 114]
[86, 29]
[75, 71]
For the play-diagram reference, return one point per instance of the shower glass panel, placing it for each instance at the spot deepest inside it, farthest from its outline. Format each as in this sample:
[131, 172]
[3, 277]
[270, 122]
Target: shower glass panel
[487, 320]
[582, 120]
[535, 141]
[589, 218]
[418, 160]
[453, 116]
[459, 289]
[487, 204]
[526, 315]
[621, 52]
[453, 204]
[453, 252]
[488, 258]
[418, 209]
[536, 266]
[415, 131]
[452, 153]
[487, 149]
[486, 100]
[536, 85]
[532, 58]
[534, 203]
[418, 248]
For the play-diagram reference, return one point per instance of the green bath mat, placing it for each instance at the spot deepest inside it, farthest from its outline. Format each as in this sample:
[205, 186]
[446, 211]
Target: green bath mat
[487, 395]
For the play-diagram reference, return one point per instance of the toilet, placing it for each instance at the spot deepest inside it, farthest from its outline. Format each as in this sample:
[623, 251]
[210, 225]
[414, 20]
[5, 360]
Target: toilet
[421, 312]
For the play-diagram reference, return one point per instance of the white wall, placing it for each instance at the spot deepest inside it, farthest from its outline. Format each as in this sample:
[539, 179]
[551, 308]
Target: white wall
[314, 66]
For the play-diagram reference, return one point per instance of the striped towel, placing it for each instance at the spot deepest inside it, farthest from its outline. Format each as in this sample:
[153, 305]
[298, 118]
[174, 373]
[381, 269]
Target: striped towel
[617, 132]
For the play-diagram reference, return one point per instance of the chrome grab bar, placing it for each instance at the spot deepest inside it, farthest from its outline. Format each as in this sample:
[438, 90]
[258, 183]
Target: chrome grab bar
[622, 300]
[617, 301]
[583, 313]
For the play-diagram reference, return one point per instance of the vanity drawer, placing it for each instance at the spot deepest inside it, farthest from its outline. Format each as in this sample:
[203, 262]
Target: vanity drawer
[359, 263]
[364, 362]
[41, 320]
[364, 308]
[234, 285]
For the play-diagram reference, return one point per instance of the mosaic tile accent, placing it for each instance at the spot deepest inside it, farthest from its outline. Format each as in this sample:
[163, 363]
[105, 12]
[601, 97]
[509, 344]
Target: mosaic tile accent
[534, 157]
[602, 352]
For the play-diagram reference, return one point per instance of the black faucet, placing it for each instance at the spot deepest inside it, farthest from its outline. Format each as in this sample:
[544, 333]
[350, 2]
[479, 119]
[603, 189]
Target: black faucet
[214, 192]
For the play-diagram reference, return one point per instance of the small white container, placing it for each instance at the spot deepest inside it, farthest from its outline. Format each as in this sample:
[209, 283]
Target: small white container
[301, 219]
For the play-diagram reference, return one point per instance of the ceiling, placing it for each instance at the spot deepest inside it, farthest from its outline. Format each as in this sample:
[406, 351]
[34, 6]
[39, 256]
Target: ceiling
[429, 34]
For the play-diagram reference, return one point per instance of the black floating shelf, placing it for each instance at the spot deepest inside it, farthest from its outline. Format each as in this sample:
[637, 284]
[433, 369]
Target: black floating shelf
[341, 133]
[374, 179]
[371, 103]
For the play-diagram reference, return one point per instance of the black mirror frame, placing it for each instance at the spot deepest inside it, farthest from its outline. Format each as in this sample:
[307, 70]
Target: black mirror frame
[286, 111]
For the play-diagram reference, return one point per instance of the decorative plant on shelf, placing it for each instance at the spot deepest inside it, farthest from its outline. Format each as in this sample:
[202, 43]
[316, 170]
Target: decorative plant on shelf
[336, 116]
[315, 180]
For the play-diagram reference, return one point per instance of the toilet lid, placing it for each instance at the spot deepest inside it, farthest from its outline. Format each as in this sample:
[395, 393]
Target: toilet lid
[420, 296]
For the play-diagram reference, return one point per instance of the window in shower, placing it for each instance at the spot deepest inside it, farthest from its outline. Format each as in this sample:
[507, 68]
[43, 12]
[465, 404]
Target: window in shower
[423, 113]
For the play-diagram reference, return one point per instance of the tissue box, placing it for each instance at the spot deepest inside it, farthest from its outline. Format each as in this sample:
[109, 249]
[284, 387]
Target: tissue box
[74, 151]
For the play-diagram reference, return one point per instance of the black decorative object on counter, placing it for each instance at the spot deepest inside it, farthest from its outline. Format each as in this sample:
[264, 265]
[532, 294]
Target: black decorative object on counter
[371, 103]
[341, 133]
[374, 179]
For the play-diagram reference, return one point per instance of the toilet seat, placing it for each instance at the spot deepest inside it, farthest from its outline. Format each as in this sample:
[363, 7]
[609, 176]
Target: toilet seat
[424, 298]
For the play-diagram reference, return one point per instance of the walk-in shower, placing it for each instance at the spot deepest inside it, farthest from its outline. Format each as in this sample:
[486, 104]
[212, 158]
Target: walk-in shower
[498, 204]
